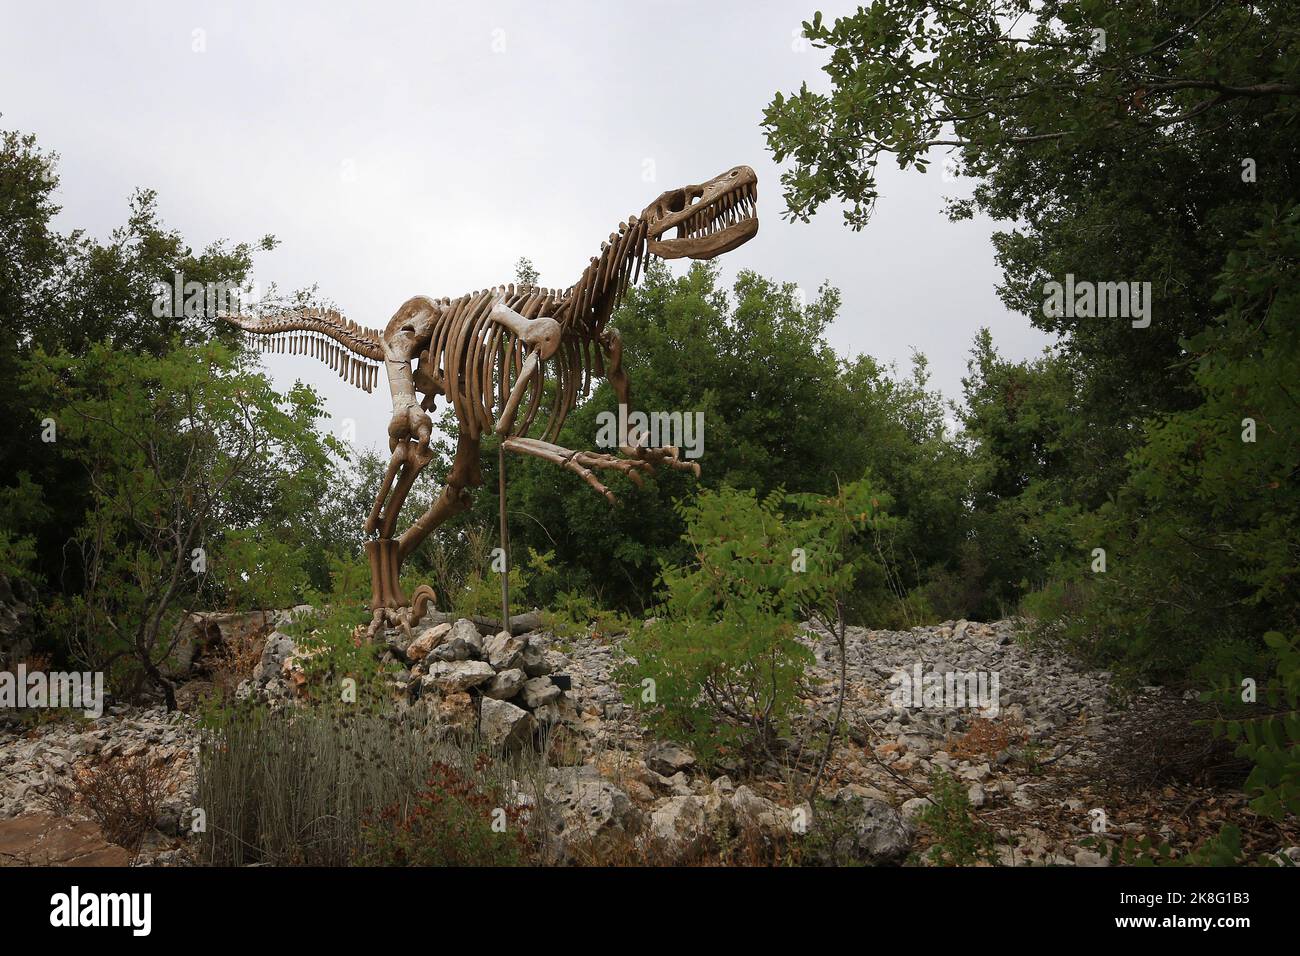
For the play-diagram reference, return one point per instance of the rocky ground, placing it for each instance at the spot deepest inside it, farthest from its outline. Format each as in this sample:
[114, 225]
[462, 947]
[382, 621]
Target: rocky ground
[42, 768]
[1037, 773]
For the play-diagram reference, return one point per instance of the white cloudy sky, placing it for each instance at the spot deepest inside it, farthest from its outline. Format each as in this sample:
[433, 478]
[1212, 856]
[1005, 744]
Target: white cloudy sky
[421, 148]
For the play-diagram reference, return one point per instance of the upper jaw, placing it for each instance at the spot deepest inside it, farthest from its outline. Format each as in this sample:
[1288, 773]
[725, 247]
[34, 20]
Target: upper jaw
[711, 219]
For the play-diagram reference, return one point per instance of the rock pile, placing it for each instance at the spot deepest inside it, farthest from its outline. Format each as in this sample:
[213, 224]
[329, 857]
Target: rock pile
[498, 684]
[471, 678]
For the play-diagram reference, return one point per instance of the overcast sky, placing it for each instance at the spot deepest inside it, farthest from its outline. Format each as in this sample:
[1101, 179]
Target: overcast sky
[414, 148]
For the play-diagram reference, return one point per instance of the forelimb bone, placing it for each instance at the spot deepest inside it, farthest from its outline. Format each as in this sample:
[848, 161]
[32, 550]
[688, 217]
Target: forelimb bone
[580, 462]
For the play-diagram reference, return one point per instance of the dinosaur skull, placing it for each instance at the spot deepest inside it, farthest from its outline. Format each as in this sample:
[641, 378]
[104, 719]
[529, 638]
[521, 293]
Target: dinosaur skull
[711, 218]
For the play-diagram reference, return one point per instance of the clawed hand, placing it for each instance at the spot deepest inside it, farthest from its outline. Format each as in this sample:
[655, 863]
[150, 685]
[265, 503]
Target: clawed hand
[409, 422]
[668, 455]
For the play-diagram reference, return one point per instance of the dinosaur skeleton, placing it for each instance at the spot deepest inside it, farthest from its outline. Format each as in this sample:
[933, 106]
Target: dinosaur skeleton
[491, 354]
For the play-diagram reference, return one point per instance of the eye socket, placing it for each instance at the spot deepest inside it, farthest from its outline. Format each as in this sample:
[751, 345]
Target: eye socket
[408, 327]
[676, 202]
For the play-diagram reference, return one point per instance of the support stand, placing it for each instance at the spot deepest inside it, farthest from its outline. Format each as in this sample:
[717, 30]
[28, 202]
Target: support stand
[505, 538]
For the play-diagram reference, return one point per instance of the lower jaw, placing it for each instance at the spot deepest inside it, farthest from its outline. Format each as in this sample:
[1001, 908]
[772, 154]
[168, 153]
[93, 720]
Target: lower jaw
[705, 247]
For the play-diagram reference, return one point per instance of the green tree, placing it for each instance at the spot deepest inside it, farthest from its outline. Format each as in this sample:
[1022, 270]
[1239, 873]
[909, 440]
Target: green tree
[63, 294]
[1029, 483]
[1203, 540]
[172, 450]
[1122, 158]
[1135, 142]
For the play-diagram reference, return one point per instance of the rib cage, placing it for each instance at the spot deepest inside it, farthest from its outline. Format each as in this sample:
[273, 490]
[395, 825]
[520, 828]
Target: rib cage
[477, 362]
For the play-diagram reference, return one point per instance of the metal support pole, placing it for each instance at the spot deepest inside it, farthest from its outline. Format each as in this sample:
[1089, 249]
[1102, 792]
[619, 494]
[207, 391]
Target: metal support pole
[505, 538]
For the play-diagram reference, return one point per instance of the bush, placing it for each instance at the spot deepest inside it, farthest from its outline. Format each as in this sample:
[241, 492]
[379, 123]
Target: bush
[476, 591]
[574, 615]
[987, 738]
[959, 838]
[455, 821]
[1271, 741]
[177, 449]
[720, 667]
[832, 840]
[329, 638]
[1223, 849]
[122, 794]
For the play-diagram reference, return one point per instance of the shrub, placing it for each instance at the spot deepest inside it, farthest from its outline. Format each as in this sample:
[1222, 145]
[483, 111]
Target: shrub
[831, 841]
[724, 659]
[988, 738]
[1222, 849]
[477, 591]
[122, 794]
[721, 665]
[455, 821]
[574, 615]
[959, 838]
[234, 658]
[171, 446]
[1270, 741]
[329, 639]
